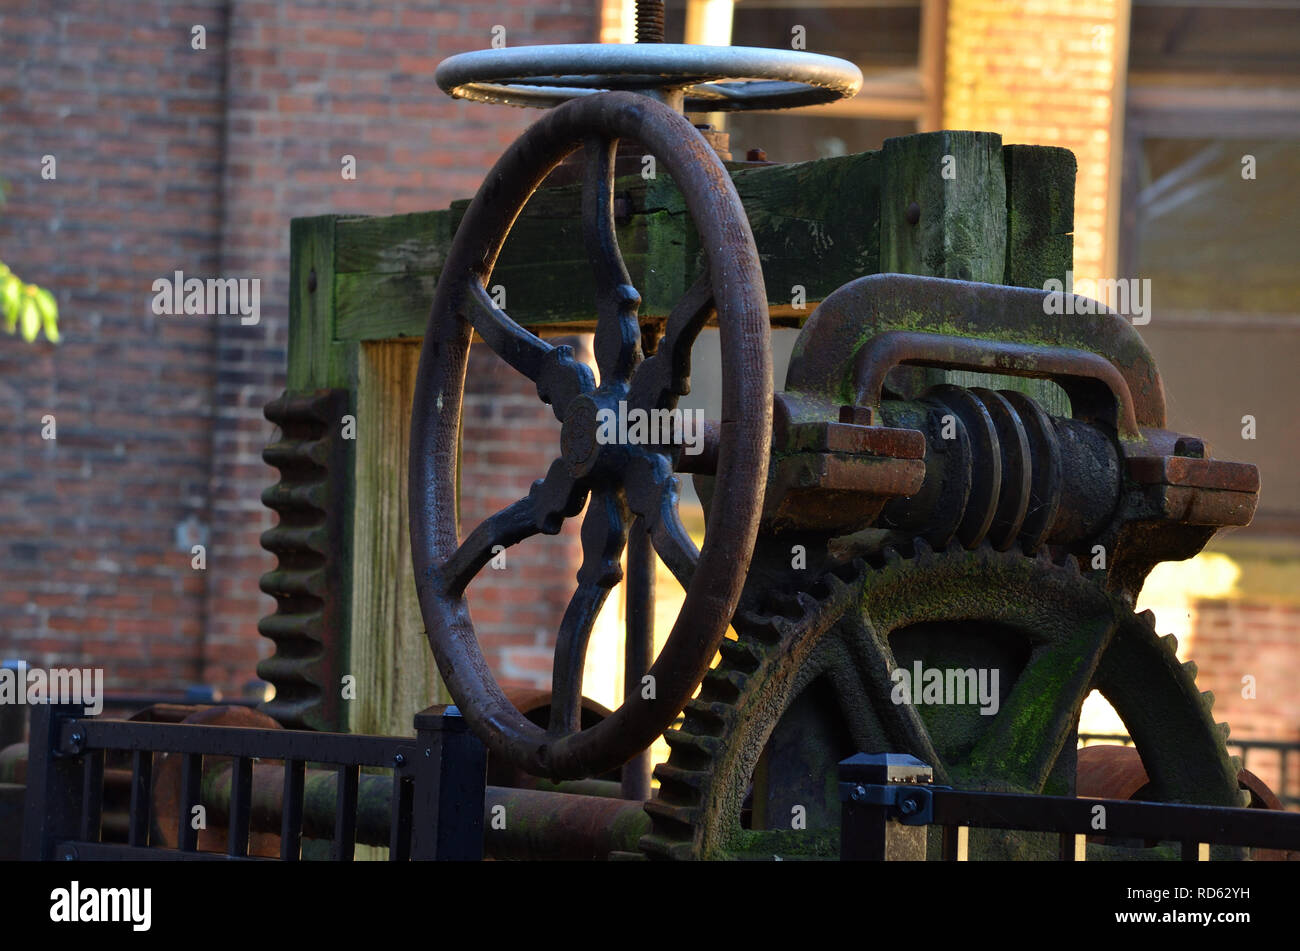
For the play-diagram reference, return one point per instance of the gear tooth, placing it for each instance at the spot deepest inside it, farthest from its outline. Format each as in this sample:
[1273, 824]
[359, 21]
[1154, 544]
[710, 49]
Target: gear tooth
[1072, 565]
[660, 809]
[722, 684]
[695, 743]
[1245, 798]
[807, 603]
[1043, 558]
[922, 549]
[1237, 763]
[1169, 640]
[1207, 700]
[1223, 730]
[1149, 618]
[953, 547]
[707, 717]
[669, 775]
[739, 654]
[1191, 669]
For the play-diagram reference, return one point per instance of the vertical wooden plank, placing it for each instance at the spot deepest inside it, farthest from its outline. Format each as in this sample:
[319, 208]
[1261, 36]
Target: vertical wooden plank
[1040, 213]
[389, 654]
[1040, 237]
[314, 359]
[943, 214]
[943, 209]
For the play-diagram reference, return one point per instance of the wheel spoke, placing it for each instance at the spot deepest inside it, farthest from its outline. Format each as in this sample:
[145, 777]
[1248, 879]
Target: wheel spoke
[876, 663]
[618, 333]
[604, 535]
[543, 509]
[667, 375]
[558, 375]
[653, 493]
[1028, 732]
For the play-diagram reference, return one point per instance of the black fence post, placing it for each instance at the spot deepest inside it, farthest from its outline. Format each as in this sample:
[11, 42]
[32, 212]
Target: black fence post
[876, 789]
[450, 787]
[13, 716]
[54, 782]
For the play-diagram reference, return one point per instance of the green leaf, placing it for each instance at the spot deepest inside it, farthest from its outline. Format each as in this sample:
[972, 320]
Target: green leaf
[10, 296]
[31, 317]
[49, 309]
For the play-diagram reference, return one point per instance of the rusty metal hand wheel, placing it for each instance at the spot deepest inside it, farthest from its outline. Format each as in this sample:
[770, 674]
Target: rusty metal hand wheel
[694, 78]
[623, 482]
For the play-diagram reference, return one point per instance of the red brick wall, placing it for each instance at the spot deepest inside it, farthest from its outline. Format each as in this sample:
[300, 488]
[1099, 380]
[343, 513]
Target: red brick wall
[172, 158]
[90, 570]
[1233, 639]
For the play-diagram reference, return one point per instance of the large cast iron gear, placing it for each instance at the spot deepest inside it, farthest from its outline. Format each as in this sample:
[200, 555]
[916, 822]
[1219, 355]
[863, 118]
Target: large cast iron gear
[810, 684]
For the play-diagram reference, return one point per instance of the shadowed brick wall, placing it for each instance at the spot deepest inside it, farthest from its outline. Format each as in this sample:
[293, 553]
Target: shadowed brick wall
[173, 158]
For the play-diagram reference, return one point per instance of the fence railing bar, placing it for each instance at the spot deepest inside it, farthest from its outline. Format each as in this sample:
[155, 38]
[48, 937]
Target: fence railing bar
[241, 796]
[115, 852]
[92, 796]
[187, 835]
[399, 835]
[344, 847]
[235, 741]
[141, 791]
[291, 811]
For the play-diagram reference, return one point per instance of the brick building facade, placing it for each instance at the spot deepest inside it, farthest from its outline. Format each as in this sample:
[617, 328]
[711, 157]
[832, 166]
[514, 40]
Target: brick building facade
[181, 149]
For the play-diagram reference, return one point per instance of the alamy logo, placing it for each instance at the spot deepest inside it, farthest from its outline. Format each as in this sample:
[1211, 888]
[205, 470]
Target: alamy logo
[938, 686]
[1127, 297]
[656, 427]
[22, 684]
[216, 296]
[75, 903]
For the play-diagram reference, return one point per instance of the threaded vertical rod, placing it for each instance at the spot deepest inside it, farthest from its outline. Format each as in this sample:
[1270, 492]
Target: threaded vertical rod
[649, 21]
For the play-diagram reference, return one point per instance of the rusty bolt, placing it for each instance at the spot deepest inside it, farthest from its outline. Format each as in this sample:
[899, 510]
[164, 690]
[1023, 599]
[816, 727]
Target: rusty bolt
[756, 155]
[1190, 446]
[857, 415]
[913, 213]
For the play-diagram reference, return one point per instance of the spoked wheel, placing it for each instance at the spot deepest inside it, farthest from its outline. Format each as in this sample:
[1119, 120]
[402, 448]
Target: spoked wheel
[795, 695]
[617, 482]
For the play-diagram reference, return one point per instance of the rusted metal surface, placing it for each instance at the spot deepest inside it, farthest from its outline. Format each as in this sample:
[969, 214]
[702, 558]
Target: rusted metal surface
[167, 793]
[825, 359]
[1077, 371]
[307, 585]
[622, 481]
[1112, 771]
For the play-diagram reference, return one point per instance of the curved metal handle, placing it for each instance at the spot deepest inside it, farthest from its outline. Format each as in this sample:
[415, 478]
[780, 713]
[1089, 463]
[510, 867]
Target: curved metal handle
[544, 76]
[1089, 379]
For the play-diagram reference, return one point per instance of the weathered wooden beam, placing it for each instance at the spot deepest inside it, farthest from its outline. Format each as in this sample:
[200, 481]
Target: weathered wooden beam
[815, 224]
[1040, 213]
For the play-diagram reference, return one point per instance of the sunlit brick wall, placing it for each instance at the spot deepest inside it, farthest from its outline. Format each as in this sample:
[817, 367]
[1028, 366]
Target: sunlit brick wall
[1043, 72]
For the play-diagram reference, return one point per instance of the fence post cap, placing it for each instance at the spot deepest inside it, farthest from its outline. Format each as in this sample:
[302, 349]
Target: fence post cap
[884, 768]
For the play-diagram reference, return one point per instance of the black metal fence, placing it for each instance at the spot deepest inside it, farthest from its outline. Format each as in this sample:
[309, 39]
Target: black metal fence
[437, 793]
[1285, 749]
[888, 802]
